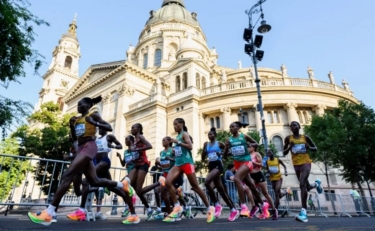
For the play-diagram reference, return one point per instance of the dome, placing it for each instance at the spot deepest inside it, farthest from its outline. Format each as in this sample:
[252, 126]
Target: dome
[188, 43]
[173, 9]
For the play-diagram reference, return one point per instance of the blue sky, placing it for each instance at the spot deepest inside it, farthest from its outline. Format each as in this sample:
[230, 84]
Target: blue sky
[332, 35]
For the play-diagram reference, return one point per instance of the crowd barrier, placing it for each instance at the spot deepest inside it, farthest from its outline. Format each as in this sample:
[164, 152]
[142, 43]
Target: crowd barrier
[26, 182]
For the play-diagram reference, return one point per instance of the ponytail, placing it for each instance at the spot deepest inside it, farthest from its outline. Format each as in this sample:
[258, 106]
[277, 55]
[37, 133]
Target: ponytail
[213, 131]
[184, 128]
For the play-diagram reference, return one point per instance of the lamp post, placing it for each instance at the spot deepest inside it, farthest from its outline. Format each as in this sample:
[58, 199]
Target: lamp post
[257, 55]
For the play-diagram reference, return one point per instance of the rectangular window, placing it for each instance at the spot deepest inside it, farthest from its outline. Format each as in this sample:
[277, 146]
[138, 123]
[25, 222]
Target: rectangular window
[269, 117]
[295, 195]
[145, 61]
[217, 122]
[212, 122]
[276, 117]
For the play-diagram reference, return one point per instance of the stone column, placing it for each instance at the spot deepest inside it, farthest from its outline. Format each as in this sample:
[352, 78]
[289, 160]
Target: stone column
[105, 109]
[226, 117]
[319, 109]
[292, 113]
[202, 129]
[258, 121]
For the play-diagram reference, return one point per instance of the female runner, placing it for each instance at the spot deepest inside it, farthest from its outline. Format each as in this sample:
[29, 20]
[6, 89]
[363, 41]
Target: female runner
[213, 151]
[298, 145]
[237, 145]
[184, 165]
[83, 129]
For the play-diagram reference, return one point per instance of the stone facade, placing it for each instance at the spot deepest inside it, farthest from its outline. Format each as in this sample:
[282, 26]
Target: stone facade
[173, 73]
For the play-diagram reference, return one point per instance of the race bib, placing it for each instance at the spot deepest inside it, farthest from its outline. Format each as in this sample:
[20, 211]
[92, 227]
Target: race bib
[80, 130]
[165, 164]
[212, 156]
[273, 169]
[100, 146]
[299, 148]
[135, 155]
[128, 159]
[238, 150]
[178, 151]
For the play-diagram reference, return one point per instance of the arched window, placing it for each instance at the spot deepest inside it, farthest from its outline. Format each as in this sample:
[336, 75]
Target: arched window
[212, 122]
[157, 58]
[145, 61]
[68, 62]
[184, 81]
[178, 83]
[278, 142]
[203, 82]
[60, 102]
[217, 118]
[306, 117]
[198, 81]
[245, 118]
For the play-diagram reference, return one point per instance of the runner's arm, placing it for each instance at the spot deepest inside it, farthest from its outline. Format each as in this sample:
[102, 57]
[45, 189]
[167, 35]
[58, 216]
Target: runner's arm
[112, 139]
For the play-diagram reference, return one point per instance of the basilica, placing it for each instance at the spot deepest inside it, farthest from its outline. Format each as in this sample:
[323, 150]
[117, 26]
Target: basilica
[172, 72]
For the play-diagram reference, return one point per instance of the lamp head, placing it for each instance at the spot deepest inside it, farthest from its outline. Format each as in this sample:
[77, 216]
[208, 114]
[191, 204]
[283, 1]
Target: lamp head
[264, 27]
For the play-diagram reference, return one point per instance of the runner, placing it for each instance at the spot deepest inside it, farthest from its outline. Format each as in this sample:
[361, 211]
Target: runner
[184, 165]
[298, 145]
[237, 145]
[83, 129]
[128, 161]
[102, 165]
[140, 165]
[273, 167]
[260, 181]
[213, 151]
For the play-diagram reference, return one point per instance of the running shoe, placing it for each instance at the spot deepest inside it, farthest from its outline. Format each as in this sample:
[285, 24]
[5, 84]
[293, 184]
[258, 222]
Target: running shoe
[244, 212]
[254, 211]
[126, 213]
[159, 216]
[54, 218]
[210, 214]
[218, 209]
[78, 215]
[275, 215]
[132, 219]
[174, 214]
[42, 218]
[100, 216]
[302, 217]
[150, 215]
[187, 213]
[234, 215]
[265, 211]
[319, 187]
[106, 191]
[162, 181]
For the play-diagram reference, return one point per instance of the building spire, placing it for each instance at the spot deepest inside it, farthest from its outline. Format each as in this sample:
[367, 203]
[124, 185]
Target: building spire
[73, 27]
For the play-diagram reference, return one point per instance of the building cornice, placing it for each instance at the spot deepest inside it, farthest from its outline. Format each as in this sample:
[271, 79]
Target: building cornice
[49, 72]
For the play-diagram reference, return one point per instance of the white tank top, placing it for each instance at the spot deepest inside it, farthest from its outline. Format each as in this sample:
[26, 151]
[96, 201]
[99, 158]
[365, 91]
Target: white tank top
[102, 144]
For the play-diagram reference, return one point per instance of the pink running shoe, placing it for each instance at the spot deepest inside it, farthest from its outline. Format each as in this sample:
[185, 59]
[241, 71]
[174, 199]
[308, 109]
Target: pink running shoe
[244, 212]
[265, 211]
[78, 215]
[218, 209]
[234, 215]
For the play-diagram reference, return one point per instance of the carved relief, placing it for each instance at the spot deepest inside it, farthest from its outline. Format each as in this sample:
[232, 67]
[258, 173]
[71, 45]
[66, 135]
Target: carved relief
[225, 110]
[106, 97]
[125, 89]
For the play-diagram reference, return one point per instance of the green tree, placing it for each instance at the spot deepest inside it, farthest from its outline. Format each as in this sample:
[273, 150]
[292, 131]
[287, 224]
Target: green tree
[49, 142]
[16, 36]
[12, 169]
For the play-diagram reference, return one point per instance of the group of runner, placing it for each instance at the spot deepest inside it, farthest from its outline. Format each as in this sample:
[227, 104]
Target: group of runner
[91, 159]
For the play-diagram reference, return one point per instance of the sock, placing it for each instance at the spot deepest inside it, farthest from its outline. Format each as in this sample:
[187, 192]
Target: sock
[158, 209]
[217, 204]
[82, 210]
[120, 185]
[126, 206]
[243, 205]
[234, 210]
[54, 214]
[314, 185]
[208, 208]
[101, 188]
[303, 210]
[177, 204]
[51, 209]
[149, 210]
[133, 215]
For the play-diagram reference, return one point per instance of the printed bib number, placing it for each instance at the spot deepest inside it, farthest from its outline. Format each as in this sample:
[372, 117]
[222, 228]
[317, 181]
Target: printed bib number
[273, 169]
[100, 146]
[212, 157]
[299, 148]
[165, 164]
[128, 159]
[238, 150]
[178, 151]
[135, 155]
[80, 130]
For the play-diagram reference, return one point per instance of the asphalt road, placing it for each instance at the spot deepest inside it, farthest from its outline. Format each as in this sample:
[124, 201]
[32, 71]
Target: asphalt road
[314, 224]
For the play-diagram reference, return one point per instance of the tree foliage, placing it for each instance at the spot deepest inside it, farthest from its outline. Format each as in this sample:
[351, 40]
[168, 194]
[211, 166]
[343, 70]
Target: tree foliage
[346, 137]
[16, 36]
[49, 142]
[12, 170]
[202, 166]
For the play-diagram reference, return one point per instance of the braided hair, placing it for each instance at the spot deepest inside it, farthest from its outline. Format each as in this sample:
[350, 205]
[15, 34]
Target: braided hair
[184, 128]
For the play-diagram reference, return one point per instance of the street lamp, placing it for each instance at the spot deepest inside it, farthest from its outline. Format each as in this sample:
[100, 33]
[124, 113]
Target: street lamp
[257, 55]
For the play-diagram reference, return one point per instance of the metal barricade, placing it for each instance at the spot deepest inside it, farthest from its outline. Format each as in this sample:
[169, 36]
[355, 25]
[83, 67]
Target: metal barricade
[352, 206]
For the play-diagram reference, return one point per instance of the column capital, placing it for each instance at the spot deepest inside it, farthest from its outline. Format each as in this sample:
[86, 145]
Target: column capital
[319, 109]
[225, 110]
[125, 89]
[290, 105]
[106, 97]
